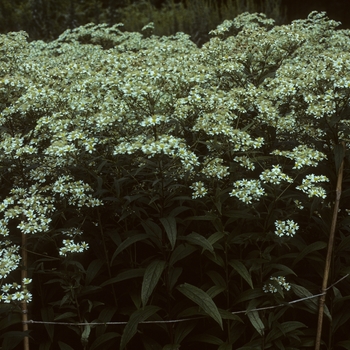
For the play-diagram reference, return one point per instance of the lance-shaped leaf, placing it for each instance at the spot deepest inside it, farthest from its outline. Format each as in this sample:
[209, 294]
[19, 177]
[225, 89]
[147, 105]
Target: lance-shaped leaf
[202, 299]
[169, 224]
[255, 320]
[242, 270]
[200, 240]
[129, 241]
[137, 317]
[150, 279]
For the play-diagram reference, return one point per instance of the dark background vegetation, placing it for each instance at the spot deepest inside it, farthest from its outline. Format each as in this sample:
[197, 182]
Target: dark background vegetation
[46, 19]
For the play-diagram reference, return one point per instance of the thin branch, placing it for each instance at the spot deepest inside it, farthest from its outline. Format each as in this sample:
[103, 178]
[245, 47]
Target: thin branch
[329, 254]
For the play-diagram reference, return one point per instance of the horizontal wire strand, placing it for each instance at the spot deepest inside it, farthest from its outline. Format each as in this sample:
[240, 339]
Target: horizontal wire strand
[182, 319]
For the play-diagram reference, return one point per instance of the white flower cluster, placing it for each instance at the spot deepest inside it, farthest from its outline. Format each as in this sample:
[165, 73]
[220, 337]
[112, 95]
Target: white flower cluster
[310, 189]
[298, 204]
[199, 190]
[71, 247]
[274, 176]
[302, 155]
[286, 228]
[222, 28]
[75, 191]
[245, 162]
[279, 281]
[213, 168]
[9, 257]
[247, 190]
[14, 292]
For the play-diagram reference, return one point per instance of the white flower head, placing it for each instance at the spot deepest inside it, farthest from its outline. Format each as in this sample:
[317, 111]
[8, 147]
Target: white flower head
[286, 228]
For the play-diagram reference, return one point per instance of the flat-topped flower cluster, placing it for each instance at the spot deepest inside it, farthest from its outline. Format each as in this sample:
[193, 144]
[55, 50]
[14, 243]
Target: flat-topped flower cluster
[254, 111]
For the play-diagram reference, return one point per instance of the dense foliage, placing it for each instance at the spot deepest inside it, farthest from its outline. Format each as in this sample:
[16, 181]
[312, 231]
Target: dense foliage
[185, 194]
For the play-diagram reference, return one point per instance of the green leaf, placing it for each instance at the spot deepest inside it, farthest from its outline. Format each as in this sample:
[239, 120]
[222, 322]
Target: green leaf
[125, 275]
[178, 210]
[107, 313]
[206, 338]
[152, 229]
[312, 303]
[64, 346]
[196, 238]
[283, 269]
[173, 275]
[249, 295]
[137, 317]
[183, 330]
[255, 320]
[85, 335]
[242, 270]
[202, 299]
[47, 315]
[92, 270]
[344, 245]
[180, 252]
[227, 315]
[171, 347]
[65, 315]
[103, 339]
[290, 326]
[150, 279]
[215, 290]
[282, 330]
[212, 239]
[169, 224]
[344, 344]
[6, 322]
[309, 249]
[225, 346]
[302, 292]
[12, 339]
[129, 241]
[217, 279]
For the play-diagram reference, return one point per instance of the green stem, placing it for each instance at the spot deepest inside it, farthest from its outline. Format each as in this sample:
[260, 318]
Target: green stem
[106, 255]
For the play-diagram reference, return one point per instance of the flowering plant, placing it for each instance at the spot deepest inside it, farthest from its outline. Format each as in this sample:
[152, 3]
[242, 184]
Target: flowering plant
[157, 181]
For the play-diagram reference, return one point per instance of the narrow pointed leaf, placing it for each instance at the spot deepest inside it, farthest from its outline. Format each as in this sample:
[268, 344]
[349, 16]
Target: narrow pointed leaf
[180, 252]
[103, 339]
[309, 249]
[202, 299]
[312, 303]
[344, 344]
[64, 346]
[255, 320]
[169, 224]
[93, 270]
[242, 270]
[129, 241]
[125, 275]
[198, 239]
[150, 279]
[137, 317]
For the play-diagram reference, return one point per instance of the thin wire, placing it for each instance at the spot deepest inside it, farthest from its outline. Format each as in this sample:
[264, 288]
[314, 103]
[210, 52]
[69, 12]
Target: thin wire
[112, 323]
[184, 319]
